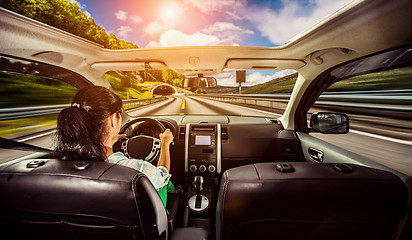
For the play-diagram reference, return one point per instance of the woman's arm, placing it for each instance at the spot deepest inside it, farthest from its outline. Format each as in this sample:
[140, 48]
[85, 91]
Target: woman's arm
[165, 139]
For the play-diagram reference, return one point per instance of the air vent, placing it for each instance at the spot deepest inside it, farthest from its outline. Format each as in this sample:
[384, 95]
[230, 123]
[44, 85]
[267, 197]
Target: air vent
[225, 135]
[182, 133]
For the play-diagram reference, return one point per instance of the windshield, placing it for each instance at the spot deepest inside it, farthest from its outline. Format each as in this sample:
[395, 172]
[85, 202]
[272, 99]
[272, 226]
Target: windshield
[139, 88]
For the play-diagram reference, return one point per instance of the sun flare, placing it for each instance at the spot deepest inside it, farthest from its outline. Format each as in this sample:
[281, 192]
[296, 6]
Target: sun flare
[170, 12]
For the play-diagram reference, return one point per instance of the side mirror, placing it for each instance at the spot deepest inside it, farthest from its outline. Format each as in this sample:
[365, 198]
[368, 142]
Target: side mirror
[199, 82]
[329, 123]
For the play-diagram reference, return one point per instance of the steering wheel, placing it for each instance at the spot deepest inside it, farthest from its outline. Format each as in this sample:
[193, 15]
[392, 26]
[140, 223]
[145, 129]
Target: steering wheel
[140, 146]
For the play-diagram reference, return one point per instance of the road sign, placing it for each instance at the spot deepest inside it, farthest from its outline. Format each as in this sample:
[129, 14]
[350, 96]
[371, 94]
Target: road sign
[240, 76]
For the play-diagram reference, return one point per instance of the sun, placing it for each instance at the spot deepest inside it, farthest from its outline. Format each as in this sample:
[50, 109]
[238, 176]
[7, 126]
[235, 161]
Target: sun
[170, 12]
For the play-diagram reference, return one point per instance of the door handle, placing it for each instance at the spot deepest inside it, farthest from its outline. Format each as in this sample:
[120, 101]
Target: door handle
[316, 155]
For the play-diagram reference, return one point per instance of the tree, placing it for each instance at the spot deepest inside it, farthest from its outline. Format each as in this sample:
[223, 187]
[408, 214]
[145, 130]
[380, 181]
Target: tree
[67, 17]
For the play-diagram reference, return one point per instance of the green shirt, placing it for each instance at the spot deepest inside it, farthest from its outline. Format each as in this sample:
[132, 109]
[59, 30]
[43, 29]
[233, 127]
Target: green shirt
[158, 176]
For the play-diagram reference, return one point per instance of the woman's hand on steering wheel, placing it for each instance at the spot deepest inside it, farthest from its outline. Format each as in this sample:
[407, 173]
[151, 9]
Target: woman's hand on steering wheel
[140, 146]
[166, 137]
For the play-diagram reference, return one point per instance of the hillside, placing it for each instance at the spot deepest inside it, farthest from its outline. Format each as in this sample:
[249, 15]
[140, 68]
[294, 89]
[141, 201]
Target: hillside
[278, 85]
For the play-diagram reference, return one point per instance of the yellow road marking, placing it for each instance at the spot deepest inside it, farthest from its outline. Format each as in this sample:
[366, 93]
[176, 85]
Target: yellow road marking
[183, 103]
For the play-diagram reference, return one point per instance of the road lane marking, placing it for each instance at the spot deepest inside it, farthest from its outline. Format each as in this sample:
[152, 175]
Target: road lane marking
[183, 106]
[183, 103]
[382, 137]
[35, 136]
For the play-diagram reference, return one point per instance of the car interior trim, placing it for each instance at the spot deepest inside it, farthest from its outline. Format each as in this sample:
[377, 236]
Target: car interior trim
[219, 149]
[187, 134]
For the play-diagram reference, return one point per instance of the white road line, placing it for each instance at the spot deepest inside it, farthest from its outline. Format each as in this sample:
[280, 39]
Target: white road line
[382, 137]
[251, 109]
[36, 136]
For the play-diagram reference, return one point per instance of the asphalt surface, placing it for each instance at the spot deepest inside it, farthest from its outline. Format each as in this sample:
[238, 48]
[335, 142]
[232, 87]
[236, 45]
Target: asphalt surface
[383, 140]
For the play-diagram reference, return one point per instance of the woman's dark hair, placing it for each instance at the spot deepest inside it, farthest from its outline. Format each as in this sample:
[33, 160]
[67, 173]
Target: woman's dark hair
[80, 127]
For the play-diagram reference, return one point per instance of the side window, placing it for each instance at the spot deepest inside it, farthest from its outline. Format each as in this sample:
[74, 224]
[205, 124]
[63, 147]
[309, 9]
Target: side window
[29, 106]
[376, 94]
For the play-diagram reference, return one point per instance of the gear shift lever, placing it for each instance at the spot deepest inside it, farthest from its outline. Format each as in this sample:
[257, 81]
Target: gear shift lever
[198, 182]
[198, 202]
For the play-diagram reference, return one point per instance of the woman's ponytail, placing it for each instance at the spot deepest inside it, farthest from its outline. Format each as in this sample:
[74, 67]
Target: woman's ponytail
[80, 127]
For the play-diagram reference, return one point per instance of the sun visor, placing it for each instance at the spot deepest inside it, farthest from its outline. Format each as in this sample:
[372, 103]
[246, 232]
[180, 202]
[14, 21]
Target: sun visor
[128, 66]
[265, 64]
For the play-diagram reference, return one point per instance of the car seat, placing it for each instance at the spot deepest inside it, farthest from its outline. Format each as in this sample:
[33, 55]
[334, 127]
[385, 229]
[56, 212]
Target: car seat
[303, 200]
[58, 199]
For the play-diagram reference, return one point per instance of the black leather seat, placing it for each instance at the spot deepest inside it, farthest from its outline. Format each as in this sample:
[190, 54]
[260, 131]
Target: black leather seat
[55, 199]
[309, 201]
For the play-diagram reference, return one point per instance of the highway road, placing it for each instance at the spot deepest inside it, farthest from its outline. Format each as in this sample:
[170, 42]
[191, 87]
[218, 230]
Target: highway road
[369, 137]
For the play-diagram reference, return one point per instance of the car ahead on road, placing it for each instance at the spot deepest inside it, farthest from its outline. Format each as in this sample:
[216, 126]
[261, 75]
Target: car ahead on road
[239, 175]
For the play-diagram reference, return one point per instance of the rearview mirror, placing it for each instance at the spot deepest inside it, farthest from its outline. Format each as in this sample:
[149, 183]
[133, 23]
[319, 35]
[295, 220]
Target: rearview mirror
[329, 123]
[199, 82]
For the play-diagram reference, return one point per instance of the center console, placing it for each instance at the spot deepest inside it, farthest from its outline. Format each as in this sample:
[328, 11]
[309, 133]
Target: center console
[203, 150]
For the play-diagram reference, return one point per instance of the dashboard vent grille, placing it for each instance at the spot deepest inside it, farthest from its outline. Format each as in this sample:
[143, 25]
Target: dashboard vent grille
[182, 133]
[225, 134]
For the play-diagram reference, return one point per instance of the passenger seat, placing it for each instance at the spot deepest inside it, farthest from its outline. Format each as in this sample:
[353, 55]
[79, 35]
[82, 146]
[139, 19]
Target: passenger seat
[303, 200]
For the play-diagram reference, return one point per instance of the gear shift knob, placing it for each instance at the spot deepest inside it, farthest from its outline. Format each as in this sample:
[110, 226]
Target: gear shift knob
[198, 183]
[198, 202]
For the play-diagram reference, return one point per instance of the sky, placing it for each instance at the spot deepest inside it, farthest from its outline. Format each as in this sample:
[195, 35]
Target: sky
[165, 23]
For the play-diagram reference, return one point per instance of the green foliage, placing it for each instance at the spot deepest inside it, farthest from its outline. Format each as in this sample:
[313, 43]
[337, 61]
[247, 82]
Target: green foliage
[139, 86]
[171, 77]
[386, 80]
[67, 17]
[24, 91]
[15, 126]
[278, 85]
[137, 90]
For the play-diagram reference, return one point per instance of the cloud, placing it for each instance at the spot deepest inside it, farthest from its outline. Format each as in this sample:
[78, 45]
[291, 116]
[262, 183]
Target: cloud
[177, 38]
[207, 6]
[153, 28]
[228, 77]
[281, 25]
[123, 31]
[121, 15]
[227, 31]
[220, 33]
[136, 19]
[220, 27]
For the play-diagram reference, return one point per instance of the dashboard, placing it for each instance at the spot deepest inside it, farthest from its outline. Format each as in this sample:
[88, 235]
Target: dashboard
[209, 145]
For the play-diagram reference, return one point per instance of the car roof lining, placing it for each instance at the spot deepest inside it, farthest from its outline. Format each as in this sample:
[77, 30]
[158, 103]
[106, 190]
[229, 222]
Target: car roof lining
[29, 67]
[373, 22]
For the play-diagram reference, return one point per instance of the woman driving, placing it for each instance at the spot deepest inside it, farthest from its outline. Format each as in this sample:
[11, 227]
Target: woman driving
[88, 129]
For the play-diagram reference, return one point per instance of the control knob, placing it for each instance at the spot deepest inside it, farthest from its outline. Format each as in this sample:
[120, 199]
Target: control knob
[193, 168]
[212, 168]
[202, 168]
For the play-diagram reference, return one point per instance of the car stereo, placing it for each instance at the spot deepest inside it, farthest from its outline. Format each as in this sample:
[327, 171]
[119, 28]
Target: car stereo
[203, 145]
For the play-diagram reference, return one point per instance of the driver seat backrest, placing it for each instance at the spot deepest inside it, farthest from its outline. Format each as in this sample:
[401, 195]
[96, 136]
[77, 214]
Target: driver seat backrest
[59, 199]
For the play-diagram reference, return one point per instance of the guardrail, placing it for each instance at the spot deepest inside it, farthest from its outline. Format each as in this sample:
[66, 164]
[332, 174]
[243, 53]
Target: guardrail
[393, 103]
[24, 112]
